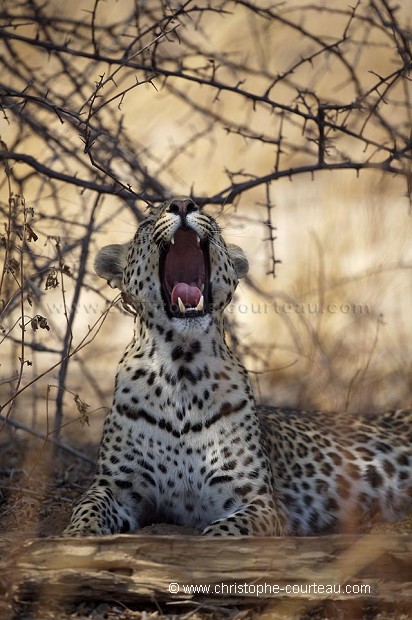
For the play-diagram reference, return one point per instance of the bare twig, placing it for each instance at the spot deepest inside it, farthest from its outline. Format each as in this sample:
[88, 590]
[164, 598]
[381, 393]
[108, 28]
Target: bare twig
[47, 437]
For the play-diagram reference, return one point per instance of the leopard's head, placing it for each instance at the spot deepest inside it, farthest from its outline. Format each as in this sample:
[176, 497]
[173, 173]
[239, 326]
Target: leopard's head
[177, 265]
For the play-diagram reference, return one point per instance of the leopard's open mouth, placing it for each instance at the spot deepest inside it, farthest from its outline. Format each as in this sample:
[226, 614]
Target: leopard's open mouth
[184, 275]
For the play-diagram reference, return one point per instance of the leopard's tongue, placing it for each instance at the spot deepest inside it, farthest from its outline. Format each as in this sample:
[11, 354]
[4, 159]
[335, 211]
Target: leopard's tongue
[190, 294]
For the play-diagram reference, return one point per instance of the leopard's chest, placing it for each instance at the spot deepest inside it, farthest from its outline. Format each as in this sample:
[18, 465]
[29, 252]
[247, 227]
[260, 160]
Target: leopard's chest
[179, 478]
[184, 425]
[177, 389]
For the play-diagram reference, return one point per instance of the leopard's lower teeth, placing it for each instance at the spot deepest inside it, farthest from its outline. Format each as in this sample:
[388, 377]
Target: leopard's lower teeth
[181, 305]
[199, 308]
[200, 305]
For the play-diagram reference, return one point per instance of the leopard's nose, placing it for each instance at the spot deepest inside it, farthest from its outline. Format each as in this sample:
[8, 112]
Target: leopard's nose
[183, 207]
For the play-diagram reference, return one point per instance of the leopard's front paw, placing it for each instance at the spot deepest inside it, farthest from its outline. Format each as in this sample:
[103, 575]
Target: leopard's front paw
[78, 530]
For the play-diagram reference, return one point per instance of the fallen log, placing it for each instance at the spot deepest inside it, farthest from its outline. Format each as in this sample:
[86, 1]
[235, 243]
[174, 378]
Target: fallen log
[219, 571]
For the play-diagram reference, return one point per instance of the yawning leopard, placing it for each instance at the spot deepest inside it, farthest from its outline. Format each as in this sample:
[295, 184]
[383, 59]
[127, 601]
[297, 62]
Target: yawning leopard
[185, 443]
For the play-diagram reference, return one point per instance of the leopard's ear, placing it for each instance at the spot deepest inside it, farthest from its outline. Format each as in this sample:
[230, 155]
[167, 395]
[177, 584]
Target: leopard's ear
[110, 263]
[239, 260]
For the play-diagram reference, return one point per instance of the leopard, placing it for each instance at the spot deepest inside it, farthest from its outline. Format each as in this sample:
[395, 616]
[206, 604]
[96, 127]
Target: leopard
[185, 442]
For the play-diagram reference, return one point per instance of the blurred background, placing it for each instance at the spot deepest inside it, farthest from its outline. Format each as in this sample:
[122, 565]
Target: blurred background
[291, 123]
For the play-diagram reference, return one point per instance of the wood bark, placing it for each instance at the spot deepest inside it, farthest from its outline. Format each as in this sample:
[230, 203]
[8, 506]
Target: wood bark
[225, 571]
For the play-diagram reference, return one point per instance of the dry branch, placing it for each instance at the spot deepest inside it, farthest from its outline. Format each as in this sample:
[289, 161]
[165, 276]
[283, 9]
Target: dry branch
[141, 568]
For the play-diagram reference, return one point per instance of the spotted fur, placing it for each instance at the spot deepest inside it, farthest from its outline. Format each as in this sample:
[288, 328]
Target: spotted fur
[184, 442]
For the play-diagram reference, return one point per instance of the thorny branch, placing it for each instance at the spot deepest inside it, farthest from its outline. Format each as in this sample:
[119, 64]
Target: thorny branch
[320, 120]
